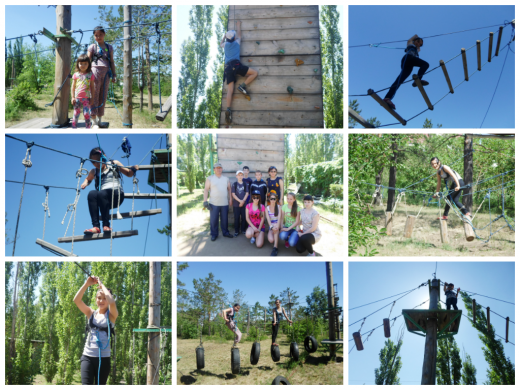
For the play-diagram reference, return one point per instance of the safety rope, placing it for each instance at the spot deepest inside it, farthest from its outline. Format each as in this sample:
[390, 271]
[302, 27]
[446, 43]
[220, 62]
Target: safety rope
[45, 210]
[80, 172]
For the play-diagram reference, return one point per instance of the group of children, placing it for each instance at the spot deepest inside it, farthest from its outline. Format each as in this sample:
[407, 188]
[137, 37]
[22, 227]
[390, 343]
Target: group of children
[259, 203]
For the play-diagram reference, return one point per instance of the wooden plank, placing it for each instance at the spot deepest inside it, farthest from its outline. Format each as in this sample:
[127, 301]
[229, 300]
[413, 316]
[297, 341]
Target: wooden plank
[276, 34]
[35, 123]
[423, 92]
[142, 213]
[302, 70]
[251, 155]
[444, 231]
[464, 64]
[386, 106]
[274, 24]
[272, 12]
[148, 196]
[271, 48]
[278, 84]
[234, 165]
[261, 6]
[275, 102]
[312, 119]
[99, 236]
[166, 107]
[281, 60]
[358, 118]
[55, 248]
[264, 137]
[446, 75]
[252, 144]
[408, 228]
[151, 167]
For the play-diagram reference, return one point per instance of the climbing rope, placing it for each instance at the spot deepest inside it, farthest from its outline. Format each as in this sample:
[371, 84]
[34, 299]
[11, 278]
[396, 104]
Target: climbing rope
[45, 210]
[80, 172]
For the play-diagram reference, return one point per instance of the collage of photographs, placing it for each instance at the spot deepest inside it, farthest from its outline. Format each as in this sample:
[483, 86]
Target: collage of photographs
[430, 176]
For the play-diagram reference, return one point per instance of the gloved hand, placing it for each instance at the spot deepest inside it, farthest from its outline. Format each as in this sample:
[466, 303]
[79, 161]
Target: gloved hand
[206, 205]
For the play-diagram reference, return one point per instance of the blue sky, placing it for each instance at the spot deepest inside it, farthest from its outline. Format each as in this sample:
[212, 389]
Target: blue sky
[258, 280]
[51, 168]
[371, 281]
[184, 31]
[377, 68]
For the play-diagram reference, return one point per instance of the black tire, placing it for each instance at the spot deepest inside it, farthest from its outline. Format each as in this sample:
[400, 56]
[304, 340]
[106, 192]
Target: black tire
[199, 351]
[235, 361]
[295, 352]
[275, 353]
[280, 380]
[311, 345]
[255, 353]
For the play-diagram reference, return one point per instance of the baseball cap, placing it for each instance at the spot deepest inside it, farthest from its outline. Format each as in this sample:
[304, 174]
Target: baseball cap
[239, 172]
[230, 34]
[217, 165]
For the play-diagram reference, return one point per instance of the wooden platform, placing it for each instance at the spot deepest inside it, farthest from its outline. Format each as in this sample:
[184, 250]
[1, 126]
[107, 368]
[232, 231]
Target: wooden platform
[166, 107]
[147, 196]
[164, 156]
[143, 213]
[45, 123]
[99, 236]
[448, 321]
[54, 249]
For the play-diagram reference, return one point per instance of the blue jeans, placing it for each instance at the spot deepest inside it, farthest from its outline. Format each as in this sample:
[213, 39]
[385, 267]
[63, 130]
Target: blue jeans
[407, 64]
[240, 218]
[291, 236]
[214, 214]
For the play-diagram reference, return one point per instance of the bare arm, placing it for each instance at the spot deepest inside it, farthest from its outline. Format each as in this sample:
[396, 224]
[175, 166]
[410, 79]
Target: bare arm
[73, 95]
[113, 66]
[229, 194]
[224, 314]
[281, 191]
[267, 216]
[206, 190]
[91, 175]
[124, 170]
[438, 182]
[79, 295]
[111, 303]
[285, 314]
[274, 316]
[410, 41]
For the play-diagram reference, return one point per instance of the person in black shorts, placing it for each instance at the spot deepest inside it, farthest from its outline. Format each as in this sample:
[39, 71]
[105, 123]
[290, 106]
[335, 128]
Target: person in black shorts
[233, 67]
[451, 297]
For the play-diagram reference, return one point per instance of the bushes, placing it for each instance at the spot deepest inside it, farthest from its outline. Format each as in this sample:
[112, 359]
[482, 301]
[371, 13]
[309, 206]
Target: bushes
[19, 99]
[316, 179]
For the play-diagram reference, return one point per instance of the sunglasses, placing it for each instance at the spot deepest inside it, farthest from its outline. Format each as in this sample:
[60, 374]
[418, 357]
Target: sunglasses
[272, 198]
[256, 197]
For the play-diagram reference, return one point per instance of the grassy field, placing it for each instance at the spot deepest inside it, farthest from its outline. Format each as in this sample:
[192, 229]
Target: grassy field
[426, 239]
[314, 369]
[140, 120]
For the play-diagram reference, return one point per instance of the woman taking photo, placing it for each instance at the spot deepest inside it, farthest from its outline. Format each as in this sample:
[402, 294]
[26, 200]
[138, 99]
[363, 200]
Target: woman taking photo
[278, 311]
[95, 361]
[454, 182]
[273, 220]
[311, 233]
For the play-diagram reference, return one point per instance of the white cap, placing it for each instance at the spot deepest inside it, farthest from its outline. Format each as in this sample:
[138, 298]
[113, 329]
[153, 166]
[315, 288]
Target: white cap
[230, 34]
[239, 172]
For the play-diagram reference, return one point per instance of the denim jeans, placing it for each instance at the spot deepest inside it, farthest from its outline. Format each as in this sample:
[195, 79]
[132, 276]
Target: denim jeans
[214, 214]
[407, 64]
[291, 236]
[240, 218]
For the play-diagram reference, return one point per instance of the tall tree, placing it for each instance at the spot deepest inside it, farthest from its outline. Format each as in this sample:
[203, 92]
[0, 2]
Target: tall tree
[209, 297]
[449, 364]
[390, 364]
[469, 371]
[332, 67]
[187, 148]
[316, 302]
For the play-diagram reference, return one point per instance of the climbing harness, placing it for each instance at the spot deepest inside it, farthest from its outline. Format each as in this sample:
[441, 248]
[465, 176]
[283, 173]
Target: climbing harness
[46, 209]
[109, 329]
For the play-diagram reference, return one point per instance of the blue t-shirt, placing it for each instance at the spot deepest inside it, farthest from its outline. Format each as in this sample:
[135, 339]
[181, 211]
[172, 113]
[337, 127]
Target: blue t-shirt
[240, 191]
[232, 50]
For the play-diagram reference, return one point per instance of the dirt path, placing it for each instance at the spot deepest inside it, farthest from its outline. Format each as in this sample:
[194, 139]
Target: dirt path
[314, 370]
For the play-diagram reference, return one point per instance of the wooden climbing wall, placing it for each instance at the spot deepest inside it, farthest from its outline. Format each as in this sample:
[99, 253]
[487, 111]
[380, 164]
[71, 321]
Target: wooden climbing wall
[257, 151]
[267, 29]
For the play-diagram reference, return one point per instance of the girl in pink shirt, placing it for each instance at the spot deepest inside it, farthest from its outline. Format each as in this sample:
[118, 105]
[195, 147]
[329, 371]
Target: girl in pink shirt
[82, 90]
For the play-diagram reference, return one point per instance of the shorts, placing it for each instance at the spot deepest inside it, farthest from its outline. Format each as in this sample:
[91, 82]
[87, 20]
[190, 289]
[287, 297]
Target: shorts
[234, 68]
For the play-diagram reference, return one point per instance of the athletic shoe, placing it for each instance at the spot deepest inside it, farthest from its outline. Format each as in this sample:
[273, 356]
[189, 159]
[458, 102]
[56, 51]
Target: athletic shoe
[229, 119]
[443, 217]
[213, 238]
[228, 235]
[236, 234]
[313, 254]
[390, 104]
[423, 82]
[252, 240]
[274, 252]
[242, 89]
[287, 244]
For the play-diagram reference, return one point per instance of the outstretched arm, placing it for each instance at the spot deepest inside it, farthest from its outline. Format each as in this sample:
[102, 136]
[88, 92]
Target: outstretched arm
[410, 41]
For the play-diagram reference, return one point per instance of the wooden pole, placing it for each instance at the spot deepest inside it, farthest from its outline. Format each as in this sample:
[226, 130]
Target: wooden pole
[330, 302]
[386, 106]
[423, 92]
[478, 56]
[388, 223]
[464, 64]
[490, 46]
[498, 41]
[408, 228]
[392, 179]
[474, 312]
[127, 64]
[468, 175]
[114, 365]
[359, 119]
[430, 346]
[60, 109]
[154, 320]
[443, 65]
[507, 329]
[488, 319]
[169, 139]
[444, 231]
[469, 232]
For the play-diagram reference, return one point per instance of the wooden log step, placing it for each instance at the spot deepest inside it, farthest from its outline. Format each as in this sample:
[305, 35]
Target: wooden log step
[276, 84]
[142, 213]
[166, 107]
[313, 119]
[253, 155]
[272, 48]
[272, 12]
[444, 231]
[147, 196]
[275, 70]
[281, 60]
[275, 34]
[359, 119]
[423, 92]
[54, 249]
[99, 236]
[275, 23]
[275, 102]
[386, 106]
[249, 144]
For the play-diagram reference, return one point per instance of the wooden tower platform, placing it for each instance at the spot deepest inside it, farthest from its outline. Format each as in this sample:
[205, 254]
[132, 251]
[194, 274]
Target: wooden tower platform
[448, 321]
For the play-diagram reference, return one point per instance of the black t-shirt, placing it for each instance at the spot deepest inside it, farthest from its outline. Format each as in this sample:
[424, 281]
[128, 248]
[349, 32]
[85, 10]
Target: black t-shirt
[249, 181]
[240, 191]
[261, 186]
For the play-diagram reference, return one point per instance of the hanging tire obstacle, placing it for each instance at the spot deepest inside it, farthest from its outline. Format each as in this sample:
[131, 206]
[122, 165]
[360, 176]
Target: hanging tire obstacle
[310, 344]
[280, 380]
[199, 352]
[235, 361]
[275, 353]
[255, 353]
[294, 351]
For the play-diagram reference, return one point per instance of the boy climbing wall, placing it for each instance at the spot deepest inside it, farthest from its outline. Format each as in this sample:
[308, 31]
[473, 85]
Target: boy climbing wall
[231, 44]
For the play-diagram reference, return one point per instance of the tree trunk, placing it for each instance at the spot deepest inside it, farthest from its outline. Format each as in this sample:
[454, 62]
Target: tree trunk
[468, 173]
[149, 75]
[392, 177]
[13, 324]
[378, 198]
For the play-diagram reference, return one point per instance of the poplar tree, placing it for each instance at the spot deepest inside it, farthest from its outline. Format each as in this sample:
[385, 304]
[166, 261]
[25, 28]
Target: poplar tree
[449, 364]
[390, 364]
[469, 371]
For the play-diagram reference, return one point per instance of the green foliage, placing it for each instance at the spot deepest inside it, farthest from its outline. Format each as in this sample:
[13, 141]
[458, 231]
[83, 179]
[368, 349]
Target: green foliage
[469, 371]
[316, 302]
[317, 178]
[449, 364]
[18, 100]
[336, 190]
[391, 364]
[186, 148]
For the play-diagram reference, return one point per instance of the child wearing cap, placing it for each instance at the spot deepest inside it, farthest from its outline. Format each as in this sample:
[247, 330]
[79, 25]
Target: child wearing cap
[275, 184]
[247, 180]
[240, 192]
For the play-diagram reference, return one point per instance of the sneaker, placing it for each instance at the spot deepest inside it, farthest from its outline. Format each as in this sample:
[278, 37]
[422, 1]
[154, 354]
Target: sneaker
[423, 82]
[242, 89]
[287, 244]
[244, 233]
[252, 240]
[229, 119]
[390, 104]
[236, 234]
[274, 252]
[443, 217]
[313, 254]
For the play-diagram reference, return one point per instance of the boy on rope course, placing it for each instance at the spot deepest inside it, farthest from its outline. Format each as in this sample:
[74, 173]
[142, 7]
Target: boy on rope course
[449, 176]
[231, 323]
[408, 62]
[451, 297]
[95, 361]
[231, 45]
[109, 189]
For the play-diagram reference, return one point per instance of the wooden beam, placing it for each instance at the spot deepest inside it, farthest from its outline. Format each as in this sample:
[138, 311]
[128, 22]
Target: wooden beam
[281, 61]
[275, 102]
[386, 106]
[277, 157]
[276, 84]
[490, 46]
[444, 231]
[312, 119]
[289, 46]
[291, 70]
[275, 34]
[443, 65]
[151, 167]
[359, 119]
[234, 165]
[147, 196]
[478, 56]
[99, 236]
[54, 248]
[166, 108]
[464, 64]
[252, 136]
[142, 213]
[498, 41]
[502, 136]
[223, 142]
[275, 23]
[251, 12]
[423, 92]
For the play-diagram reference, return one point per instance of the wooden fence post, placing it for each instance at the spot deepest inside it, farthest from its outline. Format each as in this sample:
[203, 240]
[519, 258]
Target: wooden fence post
[444, 231]
[408, 228]
[388, 223]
